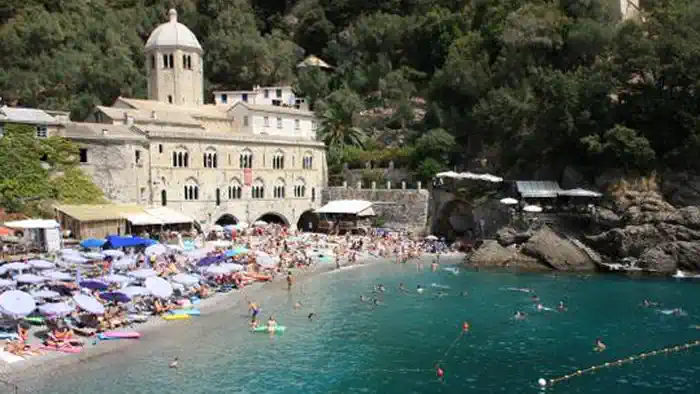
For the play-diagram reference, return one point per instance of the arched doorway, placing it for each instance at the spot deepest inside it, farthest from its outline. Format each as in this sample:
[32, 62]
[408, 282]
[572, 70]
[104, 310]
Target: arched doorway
[455, 219]
[273, 218]
[227, 220]
[308, 222]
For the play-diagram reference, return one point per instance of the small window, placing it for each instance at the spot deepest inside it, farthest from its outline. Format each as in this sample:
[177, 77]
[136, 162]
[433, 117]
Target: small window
[224, 98]
[278, 93]
[308, 162]
[313, 194]
[279, 123]
[165, 61]
[153, 62]
[137, 156]
[267, 121]
[189, 62]
[42, 132]
[218, 197]
[297, 124]
[245, 121]
[163, 198]
[313, 125]
[171, 60]
[83, 155]
[266, 92]
[160, 148]
[244, 97]
[170, 99]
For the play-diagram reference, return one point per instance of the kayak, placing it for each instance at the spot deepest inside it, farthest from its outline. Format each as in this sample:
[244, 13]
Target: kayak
[191, 312]
[119, 335]
[278, 329]
[176, 317]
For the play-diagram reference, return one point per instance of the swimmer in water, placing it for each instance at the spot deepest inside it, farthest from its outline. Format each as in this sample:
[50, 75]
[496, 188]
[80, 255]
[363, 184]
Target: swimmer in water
[402, 287]
[465, 327]
[376, 302]
[649, 304]
[434, 265]
[439, 372]
[297, 306]
[311, 316]
[519, 315]
[535, 299]
[174, 363]
[561, 307]
[363, 298]
[271, 324]
[540, 307]
[382, 288]
[441, 294]
[599, 346]
[464, 294]
[254, 310]
[419, 289]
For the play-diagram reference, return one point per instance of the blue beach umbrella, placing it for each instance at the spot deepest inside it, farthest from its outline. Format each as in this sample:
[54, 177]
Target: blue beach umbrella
[91, 243]
[116, 296]
[15, 304]
[94, 284]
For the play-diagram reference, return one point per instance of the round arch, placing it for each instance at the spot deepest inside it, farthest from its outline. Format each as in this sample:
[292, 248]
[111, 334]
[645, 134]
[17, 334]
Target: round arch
[226, 220]
[274, 217]
[308, 222]
[453, 220]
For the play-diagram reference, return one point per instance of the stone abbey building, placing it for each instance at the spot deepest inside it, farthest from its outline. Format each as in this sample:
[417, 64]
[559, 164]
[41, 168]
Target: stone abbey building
[252, 155]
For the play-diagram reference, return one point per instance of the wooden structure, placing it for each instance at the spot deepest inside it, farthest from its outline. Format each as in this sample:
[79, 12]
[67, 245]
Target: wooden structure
[343, 216]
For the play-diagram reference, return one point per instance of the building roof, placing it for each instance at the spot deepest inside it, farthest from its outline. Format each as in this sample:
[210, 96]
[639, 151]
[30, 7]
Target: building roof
[187, 134]
[101, 131]
[173, 34]
[99, 212]
[350, 207]
[201, 111]
[313, 61]
[169, 216]
[145, 116]
[26, 115]
[273, 109]
[33, 223]
[538, 189]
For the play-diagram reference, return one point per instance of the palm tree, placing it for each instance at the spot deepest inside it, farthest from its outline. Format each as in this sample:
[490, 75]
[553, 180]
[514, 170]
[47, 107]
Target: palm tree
[338, 122]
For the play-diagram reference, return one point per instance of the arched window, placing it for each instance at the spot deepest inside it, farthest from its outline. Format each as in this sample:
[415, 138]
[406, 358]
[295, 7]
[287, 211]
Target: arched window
[278, 190]
[163, 198]
[218, 197]
[191, 190]
[210, 158]
[258, 189]
[278, 160]
[189, 62]
[235, 190]
[299, 188]
[153, 62]
[308, 161]
[172, 61]
[313, 194]
[181, 158]
[246, 159]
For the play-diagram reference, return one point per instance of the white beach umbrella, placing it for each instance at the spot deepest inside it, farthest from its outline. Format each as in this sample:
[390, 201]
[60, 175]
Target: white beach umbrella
[114, 253]
[159, 287]
[15, 303]
[143, 273]
[57, 275]
[156, 250]
[94, 256]
[532, 208]
[13, 267]
[509, 201]
[29, 278]
[134, 291]
[74, 259]
[260, 223]
[185, 279]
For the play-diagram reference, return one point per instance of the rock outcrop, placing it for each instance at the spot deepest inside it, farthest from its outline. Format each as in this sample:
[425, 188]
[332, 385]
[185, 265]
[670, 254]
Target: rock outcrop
[492, 254]
[559, 253]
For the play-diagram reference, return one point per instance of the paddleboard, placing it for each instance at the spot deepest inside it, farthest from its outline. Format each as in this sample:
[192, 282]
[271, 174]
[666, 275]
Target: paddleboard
[176, 317]
[191, 312]
[119, 335]
[263, 328]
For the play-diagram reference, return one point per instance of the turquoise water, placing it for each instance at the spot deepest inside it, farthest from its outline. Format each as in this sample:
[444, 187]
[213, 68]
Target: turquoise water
[353, 348]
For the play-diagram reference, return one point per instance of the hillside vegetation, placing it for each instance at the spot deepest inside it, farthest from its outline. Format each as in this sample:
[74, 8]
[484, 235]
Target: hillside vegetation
[515, 85]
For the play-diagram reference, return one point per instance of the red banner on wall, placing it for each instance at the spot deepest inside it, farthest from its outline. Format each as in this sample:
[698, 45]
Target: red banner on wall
[247, 176]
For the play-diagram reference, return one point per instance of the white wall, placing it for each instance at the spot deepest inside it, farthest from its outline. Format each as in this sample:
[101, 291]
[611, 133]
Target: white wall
[288, 125]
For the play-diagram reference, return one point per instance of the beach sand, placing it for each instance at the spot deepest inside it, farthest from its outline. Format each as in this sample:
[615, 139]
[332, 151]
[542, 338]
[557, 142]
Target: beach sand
[220, 302]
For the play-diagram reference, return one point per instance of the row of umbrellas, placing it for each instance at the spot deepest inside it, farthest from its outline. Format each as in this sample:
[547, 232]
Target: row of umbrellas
[527, 208]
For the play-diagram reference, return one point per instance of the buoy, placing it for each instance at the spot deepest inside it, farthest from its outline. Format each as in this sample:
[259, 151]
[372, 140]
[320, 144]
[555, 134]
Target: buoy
[542, 382]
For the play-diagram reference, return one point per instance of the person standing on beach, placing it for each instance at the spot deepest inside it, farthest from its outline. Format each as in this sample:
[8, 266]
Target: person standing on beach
[290, 280]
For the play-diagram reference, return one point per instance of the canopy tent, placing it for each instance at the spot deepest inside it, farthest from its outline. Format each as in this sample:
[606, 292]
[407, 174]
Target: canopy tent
[470, 175]
[156, 217]
[32, 223]
[114, 241]
[580, 193]
[348, 207]
[142, 219]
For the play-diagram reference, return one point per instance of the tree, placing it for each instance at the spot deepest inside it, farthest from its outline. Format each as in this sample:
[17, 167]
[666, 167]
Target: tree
[339, 118]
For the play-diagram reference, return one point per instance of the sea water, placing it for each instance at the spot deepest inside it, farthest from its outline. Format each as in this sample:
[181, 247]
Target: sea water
[354, 347]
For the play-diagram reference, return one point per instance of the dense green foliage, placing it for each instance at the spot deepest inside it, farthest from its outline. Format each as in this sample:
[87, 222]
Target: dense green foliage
[516, 85]
[34, 171]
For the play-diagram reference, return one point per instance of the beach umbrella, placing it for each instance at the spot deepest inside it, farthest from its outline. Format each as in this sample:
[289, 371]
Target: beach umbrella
[114, 253]
[15, 304]
[236, 251]
[74, 258]
[116, 296]
[94, 284]
[29, 278]
[94, 256]
[156, 250]
[41, 264]
[91, 243]
[69, 251]
[13, 267]
[89, 304]
[185, 279]
[508, 201]
[221, 243]
[135, 291]
[7, 283]
[216, 270]
[41, 294]
[143, 273]
[124, 263]
[159, 287]
[57, 275]
[431, 238]
[532, 208]
[56, 309]
[217, 228]
[232, 267]
[114, 278]
[259, 223]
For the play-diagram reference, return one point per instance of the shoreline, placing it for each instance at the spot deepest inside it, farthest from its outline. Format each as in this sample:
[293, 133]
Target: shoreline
[14, 374]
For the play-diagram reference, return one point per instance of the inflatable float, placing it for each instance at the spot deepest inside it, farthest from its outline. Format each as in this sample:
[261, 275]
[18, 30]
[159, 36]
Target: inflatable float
[176, 317]
[263, 328]
[191, 312]
[110, 335]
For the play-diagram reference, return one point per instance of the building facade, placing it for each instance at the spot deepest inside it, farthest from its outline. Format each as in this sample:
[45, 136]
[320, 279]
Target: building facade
[232, 161]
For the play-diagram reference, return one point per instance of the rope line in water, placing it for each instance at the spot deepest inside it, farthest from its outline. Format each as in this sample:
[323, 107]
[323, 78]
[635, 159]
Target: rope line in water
[667, 350]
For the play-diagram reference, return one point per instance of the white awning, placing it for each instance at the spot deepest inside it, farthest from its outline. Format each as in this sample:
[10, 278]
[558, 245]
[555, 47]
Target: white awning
[33, 223]
[142, 219]
[579, 193]
[169, 216]
[349, 207]
[469, 175]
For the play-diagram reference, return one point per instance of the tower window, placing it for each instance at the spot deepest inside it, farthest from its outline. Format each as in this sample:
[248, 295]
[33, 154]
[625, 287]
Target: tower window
[297, 124]
[160, 148]
[42, 132]
[153, 61]
[171, 61]
[267, 121]
[137, 156]
[224, 98]
[83, 155]
[267, 93]
[170, 98]
[244, 97]
[278, 93]
[189, 62]
[165, 61]
[245, 121]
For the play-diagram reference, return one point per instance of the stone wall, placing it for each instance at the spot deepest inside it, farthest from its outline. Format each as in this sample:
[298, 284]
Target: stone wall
[404, 209]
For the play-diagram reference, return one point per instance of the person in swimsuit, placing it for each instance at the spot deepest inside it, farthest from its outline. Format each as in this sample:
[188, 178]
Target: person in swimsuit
[439, 372]
[599, 346]
[419, 289]
[519, 315]
[465, 327]
[254, 310]
[174, 363]
[561, 307]
[311, 316]
[271, 324]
